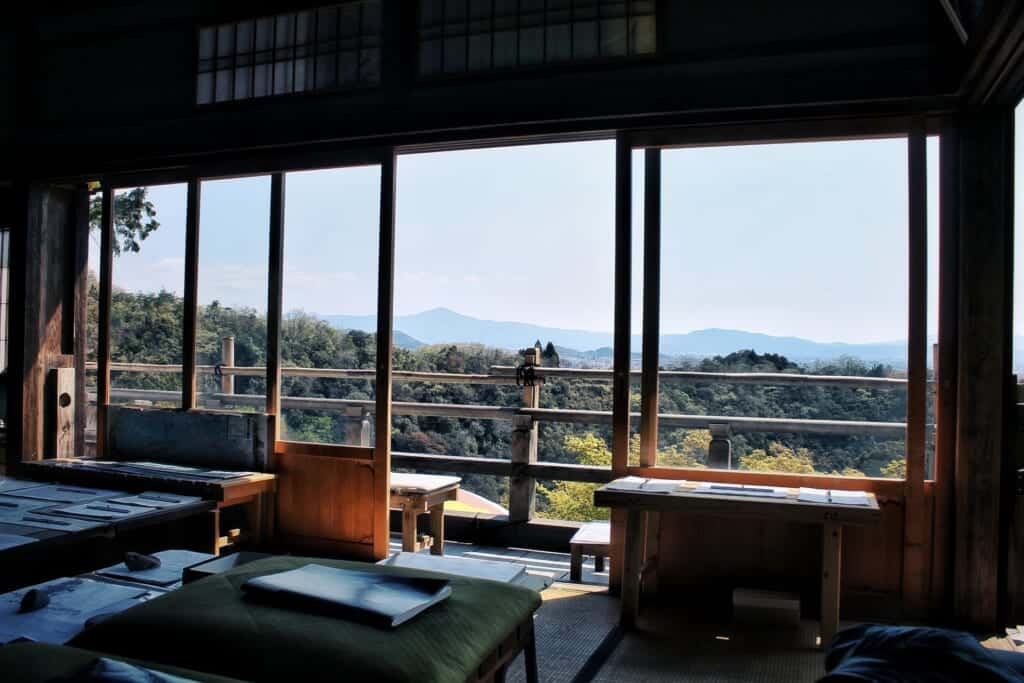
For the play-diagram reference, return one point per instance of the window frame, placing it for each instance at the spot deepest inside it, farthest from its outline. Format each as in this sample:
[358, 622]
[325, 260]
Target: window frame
[915, 130]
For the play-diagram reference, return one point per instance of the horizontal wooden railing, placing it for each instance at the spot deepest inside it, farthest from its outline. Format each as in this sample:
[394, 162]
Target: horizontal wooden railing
[505, 374]
[522, 467]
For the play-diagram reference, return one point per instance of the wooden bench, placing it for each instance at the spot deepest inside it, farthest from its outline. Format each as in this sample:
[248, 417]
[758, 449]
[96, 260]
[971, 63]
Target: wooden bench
[594, 538]
[415, 494]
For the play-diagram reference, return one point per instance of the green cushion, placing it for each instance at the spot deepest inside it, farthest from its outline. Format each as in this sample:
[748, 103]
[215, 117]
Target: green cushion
[208, 626]
[37, 662]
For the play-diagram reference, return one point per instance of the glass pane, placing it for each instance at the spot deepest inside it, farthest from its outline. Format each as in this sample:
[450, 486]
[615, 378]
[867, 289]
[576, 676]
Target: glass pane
[642, 37]
[464, 304]
[225, 83]
[234, 225]
[207, 40]
[750, 283]
[325, 288]
[148, 285]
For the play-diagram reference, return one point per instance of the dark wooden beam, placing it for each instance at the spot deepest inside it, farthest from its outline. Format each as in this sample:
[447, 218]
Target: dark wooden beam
[275, 292]
[80, 306]
[651, 308]
[103, 326]
[916, 564]
[995, 72]
[385, 314]
[622, 318]
[191, 303]
[945, 370]
[983, 463]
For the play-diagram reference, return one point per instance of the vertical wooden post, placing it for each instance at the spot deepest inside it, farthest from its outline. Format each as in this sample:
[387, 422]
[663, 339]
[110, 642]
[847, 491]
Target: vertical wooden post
[60, 413]
[191, 303]
[522, 497]
[103, 325]
[652, 314]
[831, 579]
[720, 448]
[623, 281]
[985, 348]
[522, 487]
[916, 576]
[385, 314]
[227, 360]
[275, 293]
[621, 352]
[80, 273]
[946, 372]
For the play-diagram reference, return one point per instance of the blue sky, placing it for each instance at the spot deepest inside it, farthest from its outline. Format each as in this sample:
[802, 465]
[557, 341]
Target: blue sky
[807, 240]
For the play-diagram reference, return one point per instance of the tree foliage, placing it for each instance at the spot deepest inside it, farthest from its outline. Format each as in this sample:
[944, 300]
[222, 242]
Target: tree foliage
[134, 219]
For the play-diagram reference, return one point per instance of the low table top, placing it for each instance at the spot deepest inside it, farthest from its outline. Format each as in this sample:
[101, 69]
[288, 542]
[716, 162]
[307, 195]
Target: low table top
[422, 483]
[787, 507]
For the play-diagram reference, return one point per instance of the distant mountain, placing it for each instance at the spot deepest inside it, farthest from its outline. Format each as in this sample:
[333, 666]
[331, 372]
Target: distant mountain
[405, 341]
[442, 325]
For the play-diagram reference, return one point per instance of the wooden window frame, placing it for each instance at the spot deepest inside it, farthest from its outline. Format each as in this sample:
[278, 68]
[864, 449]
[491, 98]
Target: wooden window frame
[915, 131]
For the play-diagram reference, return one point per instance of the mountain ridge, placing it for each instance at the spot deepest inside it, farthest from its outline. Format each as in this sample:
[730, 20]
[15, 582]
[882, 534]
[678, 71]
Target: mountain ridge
[443, 325]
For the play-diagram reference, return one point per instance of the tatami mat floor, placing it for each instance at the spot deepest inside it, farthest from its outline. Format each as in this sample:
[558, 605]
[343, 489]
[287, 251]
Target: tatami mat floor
[670, 645]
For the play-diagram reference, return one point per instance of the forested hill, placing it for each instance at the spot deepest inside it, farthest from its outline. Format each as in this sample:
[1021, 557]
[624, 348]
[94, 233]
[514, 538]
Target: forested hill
[146, 328]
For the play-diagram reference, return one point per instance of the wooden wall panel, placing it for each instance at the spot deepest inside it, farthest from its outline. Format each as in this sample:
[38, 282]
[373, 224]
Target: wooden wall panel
[326, 502]
[708, 556]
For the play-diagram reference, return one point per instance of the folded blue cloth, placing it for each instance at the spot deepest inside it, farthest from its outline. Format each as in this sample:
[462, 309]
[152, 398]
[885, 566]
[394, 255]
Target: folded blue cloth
[902, 654]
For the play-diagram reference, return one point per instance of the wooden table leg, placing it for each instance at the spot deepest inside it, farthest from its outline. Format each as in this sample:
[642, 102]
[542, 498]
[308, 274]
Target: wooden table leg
[530, 657]
[831, 556]
[215, 523]
[437, 529]
[408, 530]
[632, 565]
[576, 563]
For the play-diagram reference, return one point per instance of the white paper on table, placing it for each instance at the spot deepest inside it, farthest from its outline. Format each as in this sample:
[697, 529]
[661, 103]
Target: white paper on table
[661, 485]
[626, 484]
[810, 495]
[849, 497]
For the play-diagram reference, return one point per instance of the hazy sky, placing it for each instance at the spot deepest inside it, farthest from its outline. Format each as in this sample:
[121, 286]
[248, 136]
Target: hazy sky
[807, 240]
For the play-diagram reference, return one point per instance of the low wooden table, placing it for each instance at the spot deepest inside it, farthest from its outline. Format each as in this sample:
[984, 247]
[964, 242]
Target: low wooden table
[255, 490]
[415, 494]
[594, 538]
[831, 516]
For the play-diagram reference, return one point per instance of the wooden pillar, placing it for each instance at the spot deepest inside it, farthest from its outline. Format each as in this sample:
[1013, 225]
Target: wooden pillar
[189, 321]
[106, 274]
[227, 360]
[622, 353]
[381, 497]
[946, 373]
[522, 487]
[42, 311]
[652, 312]
[522, 497]
[983, 466]
[720, 448]
[80, 274]
[916, 562]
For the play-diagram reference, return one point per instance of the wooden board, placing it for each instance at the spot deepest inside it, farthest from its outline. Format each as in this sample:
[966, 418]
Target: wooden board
[327, 499]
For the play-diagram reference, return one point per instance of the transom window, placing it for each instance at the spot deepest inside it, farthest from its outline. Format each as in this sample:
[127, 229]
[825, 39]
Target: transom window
[459, 36]
[331, 47]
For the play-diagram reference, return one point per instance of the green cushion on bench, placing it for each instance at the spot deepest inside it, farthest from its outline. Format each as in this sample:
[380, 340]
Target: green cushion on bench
[38, 662]
[209, 626]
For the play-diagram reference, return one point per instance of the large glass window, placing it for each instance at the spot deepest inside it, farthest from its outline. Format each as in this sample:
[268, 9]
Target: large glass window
[231, 320]
[788, 261]
[146, 301]
[328, 335]
[506, 257]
